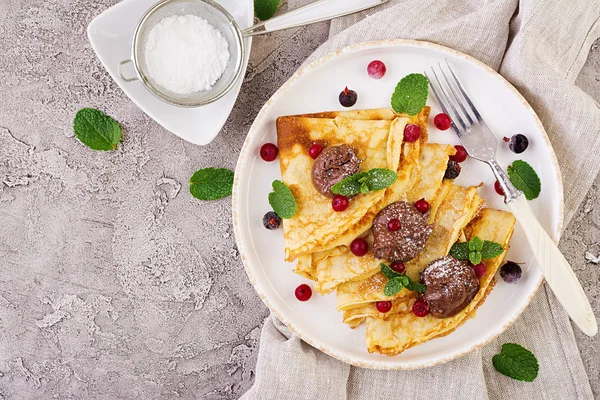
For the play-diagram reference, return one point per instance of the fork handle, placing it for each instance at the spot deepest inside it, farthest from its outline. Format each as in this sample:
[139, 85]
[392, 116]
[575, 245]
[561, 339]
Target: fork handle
[555, 267]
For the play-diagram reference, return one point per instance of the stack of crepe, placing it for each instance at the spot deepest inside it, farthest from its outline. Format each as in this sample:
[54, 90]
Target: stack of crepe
[319, 238]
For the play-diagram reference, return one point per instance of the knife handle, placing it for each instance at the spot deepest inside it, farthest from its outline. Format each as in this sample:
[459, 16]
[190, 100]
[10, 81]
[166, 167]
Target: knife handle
[556, 269]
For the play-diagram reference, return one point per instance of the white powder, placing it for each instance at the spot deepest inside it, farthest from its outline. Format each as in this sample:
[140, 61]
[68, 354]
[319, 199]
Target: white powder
[185, 54]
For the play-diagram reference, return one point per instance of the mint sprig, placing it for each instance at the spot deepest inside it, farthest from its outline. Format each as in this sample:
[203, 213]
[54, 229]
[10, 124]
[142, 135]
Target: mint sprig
[398, 281]
[524, 177]
[365, 182]
[411, 94]
[265, 9]
[282, 200]
[96, 130]
[516, 362]
[211, 183]
[476, 250]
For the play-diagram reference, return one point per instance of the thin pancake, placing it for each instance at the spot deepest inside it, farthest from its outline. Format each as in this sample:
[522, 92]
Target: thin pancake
[402, 331]
[458, 207]
[315, 221]
[341, 265]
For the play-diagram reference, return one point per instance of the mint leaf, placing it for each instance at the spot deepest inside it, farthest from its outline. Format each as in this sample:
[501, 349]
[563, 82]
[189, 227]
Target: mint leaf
[475, 257]
[524, 177]
[393, 287]
[350, 185]
[365, 182]
[282, 200]
[491, 249]
[96, 130]
[460, 250]
[416, 286]
[516, 362]
[265, 9]
[388, 272]
[211, 183]
[410, 95]
[476, 244]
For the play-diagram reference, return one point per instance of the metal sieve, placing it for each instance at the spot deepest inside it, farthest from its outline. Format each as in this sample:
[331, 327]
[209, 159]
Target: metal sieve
[223, 21]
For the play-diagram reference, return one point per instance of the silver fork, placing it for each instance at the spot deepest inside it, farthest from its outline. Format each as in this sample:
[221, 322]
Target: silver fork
[480, 143]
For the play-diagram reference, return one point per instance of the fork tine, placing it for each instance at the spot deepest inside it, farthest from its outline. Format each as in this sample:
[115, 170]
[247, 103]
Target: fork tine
[459, 99]
[464, 93]
[457, 117]
[438, 98]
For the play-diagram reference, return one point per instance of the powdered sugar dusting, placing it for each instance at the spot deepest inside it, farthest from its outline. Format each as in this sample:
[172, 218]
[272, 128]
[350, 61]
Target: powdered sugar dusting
[185, 54]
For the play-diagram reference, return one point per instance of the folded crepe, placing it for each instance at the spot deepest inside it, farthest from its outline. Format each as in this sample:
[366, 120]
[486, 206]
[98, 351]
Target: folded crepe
[457, 206]
[379, 144]
[403, 330]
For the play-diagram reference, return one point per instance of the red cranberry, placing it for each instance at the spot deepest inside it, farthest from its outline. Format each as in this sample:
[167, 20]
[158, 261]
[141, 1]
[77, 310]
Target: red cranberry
[420, 308]
[359, 247]
[383, 306]
[376, 69]
[315, 150]
[461, 154]
[269, 151]
[422, 205]
[498, 188]
[479, 270]
[398, 267]
[394, 224]
[412, 133]
[339, 203]
[303, 292]
[442, 121]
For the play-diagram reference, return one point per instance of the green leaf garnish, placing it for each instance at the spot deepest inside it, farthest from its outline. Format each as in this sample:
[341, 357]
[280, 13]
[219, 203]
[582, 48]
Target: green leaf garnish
[475, 257]
[524, 177]
[516, 362]
[460, 250]
[491, 249]
[410, 95]
[398, 281]
[476, 244]
[211, 183]
[265, 9]
[96, 130]
[476, 250]
[365, 182]
[282, 200]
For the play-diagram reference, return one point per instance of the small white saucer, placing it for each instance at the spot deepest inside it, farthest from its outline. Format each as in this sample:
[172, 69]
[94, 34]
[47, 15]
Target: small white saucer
[111, 34]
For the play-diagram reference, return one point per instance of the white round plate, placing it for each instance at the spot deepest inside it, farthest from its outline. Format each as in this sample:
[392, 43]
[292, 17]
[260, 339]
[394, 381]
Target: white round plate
[315, 88]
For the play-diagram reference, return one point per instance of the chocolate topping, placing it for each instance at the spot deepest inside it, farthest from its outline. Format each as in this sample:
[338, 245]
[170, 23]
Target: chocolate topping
[451, 285]
[332, 165]
[408, 241]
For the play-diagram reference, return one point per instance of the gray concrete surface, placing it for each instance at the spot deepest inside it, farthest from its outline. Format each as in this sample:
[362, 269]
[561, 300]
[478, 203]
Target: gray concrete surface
[114, 281]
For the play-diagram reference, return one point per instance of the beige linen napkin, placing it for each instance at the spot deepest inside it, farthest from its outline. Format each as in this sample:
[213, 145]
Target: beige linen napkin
[540, 47]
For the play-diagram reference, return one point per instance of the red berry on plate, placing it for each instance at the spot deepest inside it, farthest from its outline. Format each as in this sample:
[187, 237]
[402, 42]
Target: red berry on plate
[398, 267]
[376, 69]
[359, 247]
[420, 308]
[383, 306]
[442, 121]
[339, 203]
[498, 188]
[479, 270]
[461, 154]
[422, 205]
[348, 97]
[303, 292]
[269, 151]
[394, 224]
[412, 133]
[315, 150]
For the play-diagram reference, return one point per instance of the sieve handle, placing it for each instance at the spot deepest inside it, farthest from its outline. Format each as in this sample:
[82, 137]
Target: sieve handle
[120, 71]
[321, 10]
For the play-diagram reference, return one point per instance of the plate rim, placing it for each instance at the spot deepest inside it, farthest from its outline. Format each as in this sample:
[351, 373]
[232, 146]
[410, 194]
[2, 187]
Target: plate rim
[246, 153]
